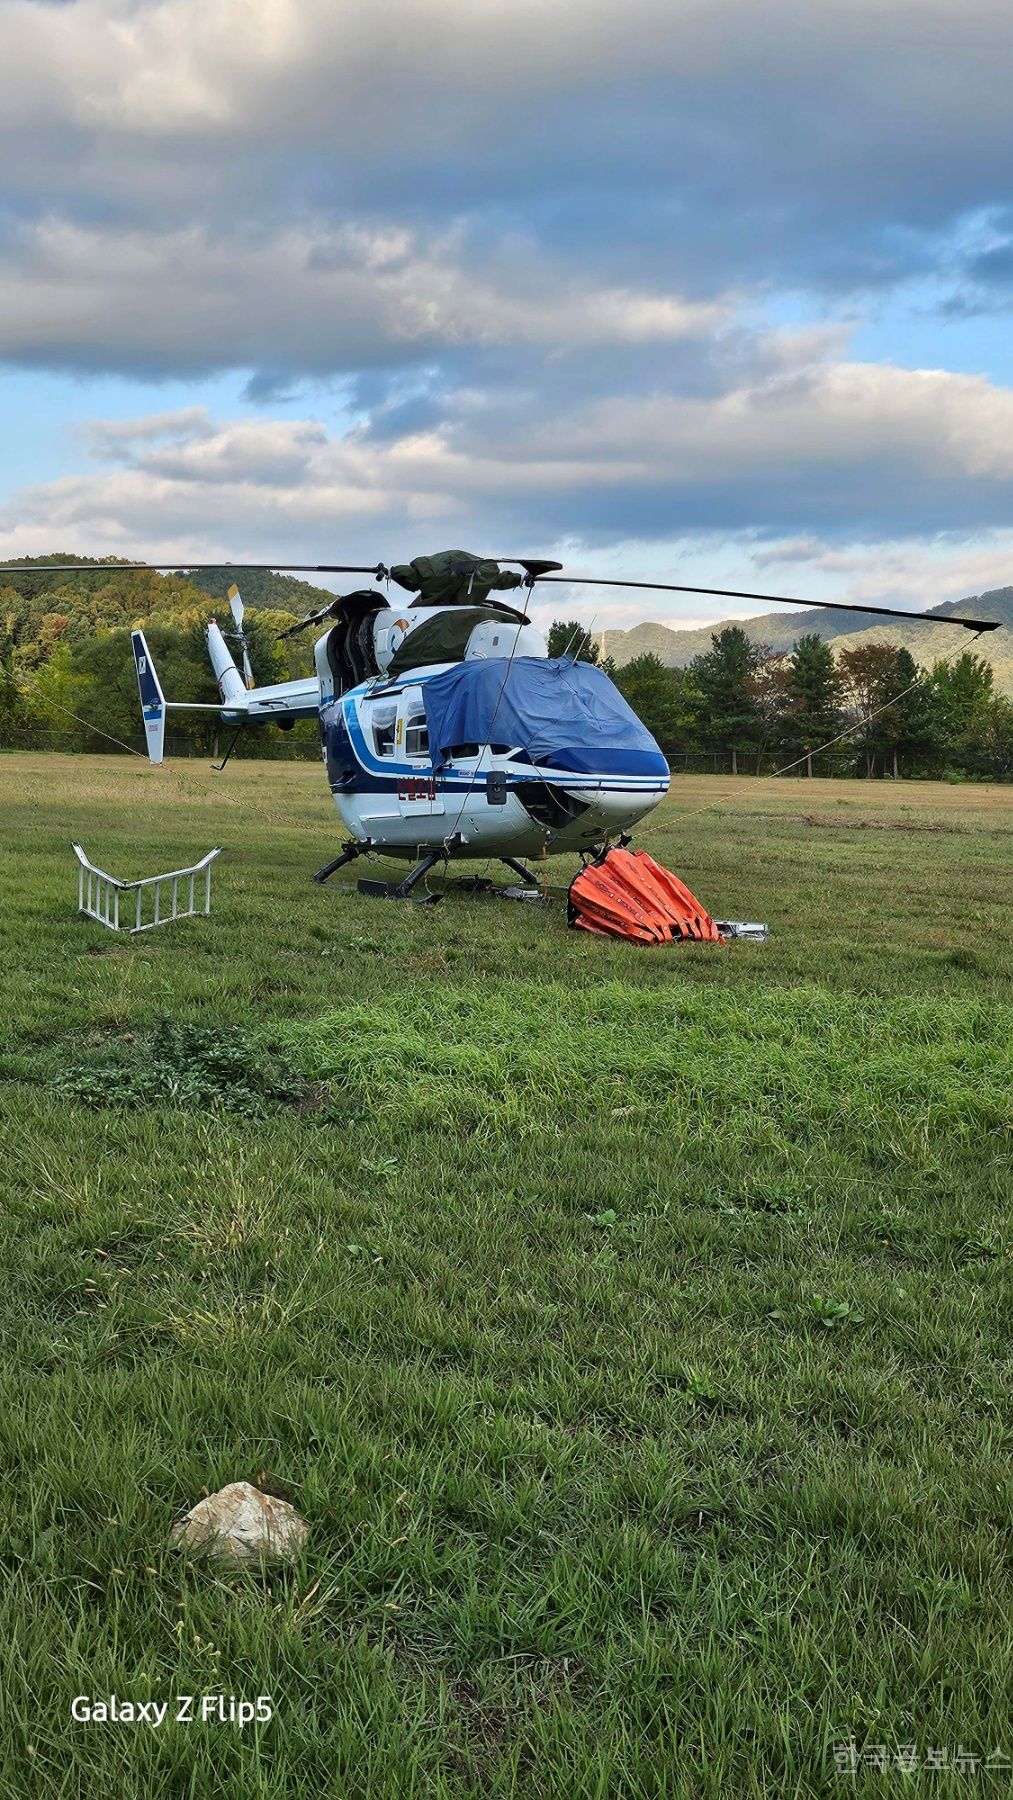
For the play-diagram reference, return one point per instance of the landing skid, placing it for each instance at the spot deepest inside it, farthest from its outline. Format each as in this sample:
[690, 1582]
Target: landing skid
[525, 874]
[402, 890]
[233, 741]
[530, 888]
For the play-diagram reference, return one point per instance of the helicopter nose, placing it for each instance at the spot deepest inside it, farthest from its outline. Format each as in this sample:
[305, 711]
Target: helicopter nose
[604, 769]
[618, 789]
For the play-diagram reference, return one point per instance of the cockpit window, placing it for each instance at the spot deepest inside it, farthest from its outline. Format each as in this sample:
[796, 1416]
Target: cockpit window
[416, 734]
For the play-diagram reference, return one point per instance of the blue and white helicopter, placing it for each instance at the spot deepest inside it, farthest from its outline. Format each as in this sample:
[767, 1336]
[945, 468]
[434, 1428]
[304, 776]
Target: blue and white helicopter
[447, 731]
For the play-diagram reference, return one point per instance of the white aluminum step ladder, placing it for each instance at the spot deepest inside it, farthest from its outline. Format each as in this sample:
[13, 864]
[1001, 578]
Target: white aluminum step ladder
[99, 894]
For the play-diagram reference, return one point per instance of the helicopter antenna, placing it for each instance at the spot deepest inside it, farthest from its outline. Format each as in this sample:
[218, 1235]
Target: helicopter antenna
[582, 637]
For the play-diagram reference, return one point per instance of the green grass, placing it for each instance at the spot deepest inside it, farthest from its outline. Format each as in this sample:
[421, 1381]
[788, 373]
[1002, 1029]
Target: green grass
[632, 1326]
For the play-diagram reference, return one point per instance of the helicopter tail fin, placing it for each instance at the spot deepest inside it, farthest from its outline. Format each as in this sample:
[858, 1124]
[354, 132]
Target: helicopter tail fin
[152, 697]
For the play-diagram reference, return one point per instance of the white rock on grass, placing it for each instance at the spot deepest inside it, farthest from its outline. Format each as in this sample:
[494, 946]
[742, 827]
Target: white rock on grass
[242, 1524]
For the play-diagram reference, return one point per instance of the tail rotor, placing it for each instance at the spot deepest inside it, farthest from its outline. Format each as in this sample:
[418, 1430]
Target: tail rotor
[238, 636]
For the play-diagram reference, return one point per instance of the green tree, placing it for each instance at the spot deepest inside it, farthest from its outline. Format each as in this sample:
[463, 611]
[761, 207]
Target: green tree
[769, 685]
[57, 692]
[911, 725]
[14, 707]
[869, 684]
[963, 693]
[998, 738]
[665, 699]
[730, 716]
[567, 637]
[812, 700]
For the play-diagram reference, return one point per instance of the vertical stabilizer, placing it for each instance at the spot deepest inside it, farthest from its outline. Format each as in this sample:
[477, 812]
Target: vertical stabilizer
[152, 698]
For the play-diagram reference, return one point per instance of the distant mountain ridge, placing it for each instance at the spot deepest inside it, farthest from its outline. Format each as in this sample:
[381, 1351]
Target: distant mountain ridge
[779, 631]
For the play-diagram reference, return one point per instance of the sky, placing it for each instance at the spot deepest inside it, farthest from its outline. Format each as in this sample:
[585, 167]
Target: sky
[696, 289]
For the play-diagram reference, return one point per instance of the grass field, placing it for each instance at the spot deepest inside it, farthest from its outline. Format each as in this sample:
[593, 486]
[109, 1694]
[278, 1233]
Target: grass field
[632, 1327]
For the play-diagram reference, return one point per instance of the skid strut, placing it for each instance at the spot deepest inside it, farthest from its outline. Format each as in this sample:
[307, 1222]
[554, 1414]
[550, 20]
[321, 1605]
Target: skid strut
[525, 874]
[349, 852]
[402, 890]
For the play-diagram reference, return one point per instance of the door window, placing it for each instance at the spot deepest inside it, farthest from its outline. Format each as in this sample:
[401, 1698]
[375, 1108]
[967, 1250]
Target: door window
[416, 733]
[384, 726]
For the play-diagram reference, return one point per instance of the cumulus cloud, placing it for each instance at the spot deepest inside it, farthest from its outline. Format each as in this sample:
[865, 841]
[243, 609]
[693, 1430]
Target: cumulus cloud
[835, 451]
[311, 186]
[309, 301]
[528, 246]
[670, 146]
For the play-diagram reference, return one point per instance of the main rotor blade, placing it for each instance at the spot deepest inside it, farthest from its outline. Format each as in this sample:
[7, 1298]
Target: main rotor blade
[377, 570]
[670, 587]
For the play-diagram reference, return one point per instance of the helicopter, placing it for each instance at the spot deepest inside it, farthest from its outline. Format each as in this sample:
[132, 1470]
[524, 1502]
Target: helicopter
[447, 732]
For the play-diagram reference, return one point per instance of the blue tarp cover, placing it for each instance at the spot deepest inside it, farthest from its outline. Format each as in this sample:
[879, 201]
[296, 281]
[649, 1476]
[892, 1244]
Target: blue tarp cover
[556, 710]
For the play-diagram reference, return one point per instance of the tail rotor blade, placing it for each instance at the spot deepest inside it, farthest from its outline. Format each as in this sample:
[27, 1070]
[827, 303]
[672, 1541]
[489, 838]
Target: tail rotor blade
[238, 611]
[236, 605]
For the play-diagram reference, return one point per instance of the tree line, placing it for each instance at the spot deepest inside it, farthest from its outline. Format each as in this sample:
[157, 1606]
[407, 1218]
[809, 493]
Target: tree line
[758, 710]
[66, 664]
[66, 667]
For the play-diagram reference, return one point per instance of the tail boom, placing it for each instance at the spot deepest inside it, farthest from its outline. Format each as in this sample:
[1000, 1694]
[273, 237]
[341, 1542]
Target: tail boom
[231, 685]
[280, 703]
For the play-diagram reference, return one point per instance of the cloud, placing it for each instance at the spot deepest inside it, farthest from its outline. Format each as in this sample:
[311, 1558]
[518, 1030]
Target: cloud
[812, 454]
[311, 301]
[112, 439]
[646, 153]
[525, 250]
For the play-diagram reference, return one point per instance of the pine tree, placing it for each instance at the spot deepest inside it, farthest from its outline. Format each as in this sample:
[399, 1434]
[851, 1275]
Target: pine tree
[911, 726]
[665, 699]
[813, 700]
[729, 708]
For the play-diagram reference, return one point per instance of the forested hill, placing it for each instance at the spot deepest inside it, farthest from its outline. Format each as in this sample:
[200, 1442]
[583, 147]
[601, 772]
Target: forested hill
[929, 643]
[262, 587]
[65, 656]
[675, 648]
[259, 587]
[779, 631]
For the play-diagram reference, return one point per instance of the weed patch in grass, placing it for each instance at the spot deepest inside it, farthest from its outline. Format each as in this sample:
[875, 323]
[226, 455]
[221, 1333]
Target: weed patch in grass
[177, 1064]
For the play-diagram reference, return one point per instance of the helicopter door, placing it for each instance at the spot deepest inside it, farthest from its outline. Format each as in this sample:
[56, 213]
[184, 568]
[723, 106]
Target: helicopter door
[418, 791]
